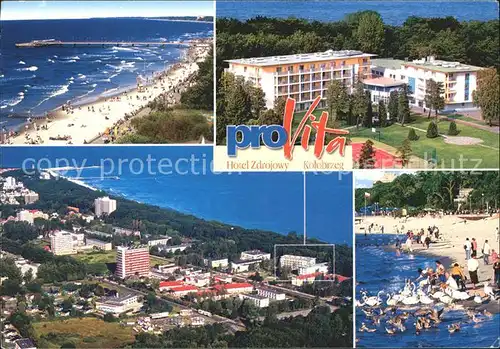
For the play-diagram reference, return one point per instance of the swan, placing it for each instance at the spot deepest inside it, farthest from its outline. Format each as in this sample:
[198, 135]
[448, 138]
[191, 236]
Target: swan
[488, 290]
[438, 294]
[411, 300]
[446, 299]
[407, 291]
[460, 295]
[374, 300]
[424, 299]
[391, 300]
[478, 299]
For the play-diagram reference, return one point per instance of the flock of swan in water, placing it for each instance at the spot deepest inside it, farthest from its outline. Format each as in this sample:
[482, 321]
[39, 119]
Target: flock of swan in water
[377, 308]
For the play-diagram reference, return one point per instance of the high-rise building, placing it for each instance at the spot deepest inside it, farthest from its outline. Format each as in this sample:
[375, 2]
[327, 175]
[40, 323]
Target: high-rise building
[459, 80]
[132, 261]
[302, 76]
[104, 205]
[30, 198]
[61, 243]
[10, 183]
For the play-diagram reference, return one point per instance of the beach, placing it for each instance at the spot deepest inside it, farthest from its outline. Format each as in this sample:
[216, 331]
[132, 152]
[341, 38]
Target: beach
[453, 231]
[94, 121]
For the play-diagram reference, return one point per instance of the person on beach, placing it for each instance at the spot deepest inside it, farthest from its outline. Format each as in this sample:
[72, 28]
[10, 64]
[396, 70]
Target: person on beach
[467, 248]
[474, 246]
[458, 274]
[496, 271]
[498, 235]
[440, 271]
[486, 252]
[427, 241]
[472, 267]
[494, 256]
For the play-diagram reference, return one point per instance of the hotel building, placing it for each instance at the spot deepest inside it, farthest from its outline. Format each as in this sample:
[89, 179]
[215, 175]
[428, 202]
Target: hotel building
[321, 268]
[132, 261]
[255, 299]
[296, 262]
[61, 243]
[119, 304]
[459, 80]
[271, 294]
[302, 76]
[104, 205]
[254, 255]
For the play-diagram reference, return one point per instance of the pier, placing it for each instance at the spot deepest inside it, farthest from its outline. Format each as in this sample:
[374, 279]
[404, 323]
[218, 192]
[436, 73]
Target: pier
[58, 43]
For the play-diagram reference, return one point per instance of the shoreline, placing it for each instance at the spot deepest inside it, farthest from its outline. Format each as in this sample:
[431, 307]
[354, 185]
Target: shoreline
[449, 248]
[84, 122]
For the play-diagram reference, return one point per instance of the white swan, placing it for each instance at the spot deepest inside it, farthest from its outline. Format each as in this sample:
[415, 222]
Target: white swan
[460, 295]
[374, 300]
[488, 290]
[424, 299]
[478, 299]
[437, 295]
[411, 300]
[446, 299]
[391, 300]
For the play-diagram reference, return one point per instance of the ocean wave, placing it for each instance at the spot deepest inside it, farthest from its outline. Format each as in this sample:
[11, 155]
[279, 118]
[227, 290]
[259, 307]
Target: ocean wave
[12, 102]
[73, 57]
[21, 62]
[81, 76]
[139, 58]
[70, 61]
[97, 61]
[32, 68]
[61, 91]
[127, 49]
[50, 60]
[2, 76]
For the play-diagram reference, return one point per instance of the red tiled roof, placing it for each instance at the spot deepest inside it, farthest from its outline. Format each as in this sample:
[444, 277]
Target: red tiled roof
[309, 276]
[184, 288]
[171, 283]
[232, 286]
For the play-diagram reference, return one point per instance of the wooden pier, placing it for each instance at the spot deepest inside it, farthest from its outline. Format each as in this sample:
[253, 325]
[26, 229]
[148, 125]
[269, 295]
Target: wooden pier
[57, 43]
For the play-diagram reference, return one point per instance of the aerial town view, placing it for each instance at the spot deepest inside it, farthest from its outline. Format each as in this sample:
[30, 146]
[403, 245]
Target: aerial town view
[413, 90]
[87, 267]
[78, 78]
[427, 266]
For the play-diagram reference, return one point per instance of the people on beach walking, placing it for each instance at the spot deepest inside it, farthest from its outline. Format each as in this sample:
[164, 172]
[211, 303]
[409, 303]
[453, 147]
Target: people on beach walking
[486, 252]
[467, 248]
[458, 274]
[496, 271]
[472, 267]
[427, 241]
[474, 246]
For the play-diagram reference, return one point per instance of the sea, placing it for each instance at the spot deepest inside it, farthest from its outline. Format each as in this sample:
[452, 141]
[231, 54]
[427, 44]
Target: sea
[264, 200]
[392, 12]
[377, 269]
[34, 81]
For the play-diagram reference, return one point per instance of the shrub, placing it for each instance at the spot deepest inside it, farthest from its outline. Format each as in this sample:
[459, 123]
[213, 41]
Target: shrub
[412, 135]
[432, 130]
[452, 130]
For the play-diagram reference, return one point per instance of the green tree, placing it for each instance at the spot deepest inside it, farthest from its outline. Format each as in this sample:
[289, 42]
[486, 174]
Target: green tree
[337, 100]
[367, 156]
[452, 130]
[368, 119]
[434, 96]
[432, 130]
[487, 94]
[412, 135]
[382, 113]
[257, 100]
[405, 152]
[359, 102]
[392, 107]
[370, 32]
[403, 105]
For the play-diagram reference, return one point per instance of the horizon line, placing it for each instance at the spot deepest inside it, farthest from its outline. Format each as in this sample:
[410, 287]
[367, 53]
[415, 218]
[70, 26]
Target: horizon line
[93, 17]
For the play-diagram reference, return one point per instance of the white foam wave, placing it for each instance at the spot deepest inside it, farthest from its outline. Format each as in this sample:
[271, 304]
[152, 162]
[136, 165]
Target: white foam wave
[61, 91]
[98, 61]
[70, 61]
[81, 76]
[127, 49]
[12, 102]
[32, 68]
[50, 60]
[21, 62]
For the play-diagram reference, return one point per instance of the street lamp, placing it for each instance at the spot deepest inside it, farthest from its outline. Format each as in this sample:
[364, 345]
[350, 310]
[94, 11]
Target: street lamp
[482, 201]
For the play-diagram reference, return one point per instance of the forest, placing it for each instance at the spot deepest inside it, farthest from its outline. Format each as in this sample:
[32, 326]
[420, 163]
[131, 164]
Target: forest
[435, 190]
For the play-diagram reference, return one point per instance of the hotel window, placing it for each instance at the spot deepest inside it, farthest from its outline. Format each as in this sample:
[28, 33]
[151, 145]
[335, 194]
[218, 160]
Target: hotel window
[312, 66]
[343, 63]
[290, 68]
[278, 69]
[323, 66]
[301, 67]
[365, 60]
[245, 69]
[332, 64]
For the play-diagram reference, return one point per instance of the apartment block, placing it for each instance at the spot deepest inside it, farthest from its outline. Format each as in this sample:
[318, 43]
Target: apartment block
[61, 243]
[104, 205]
[132, 261]
[302, 76]
[295, 262]
[119, 304]
[258, 301]
[320, 267]
[254, 255]
[271, 294]
[459, 79]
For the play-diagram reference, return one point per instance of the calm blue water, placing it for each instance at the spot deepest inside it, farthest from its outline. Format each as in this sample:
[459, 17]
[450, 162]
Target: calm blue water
[36, 80]
[392, 12]
[271, 201]
[377, 269]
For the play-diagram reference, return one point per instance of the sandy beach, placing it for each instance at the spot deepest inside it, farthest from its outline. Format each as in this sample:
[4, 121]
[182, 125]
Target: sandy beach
[453, 232]
[86, 123]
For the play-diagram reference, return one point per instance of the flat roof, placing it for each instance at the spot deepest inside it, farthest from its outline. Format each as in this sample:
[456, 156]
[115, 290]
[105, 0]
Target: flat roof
[300, 58]
[388, 63]
[382, 81]
[443, 66]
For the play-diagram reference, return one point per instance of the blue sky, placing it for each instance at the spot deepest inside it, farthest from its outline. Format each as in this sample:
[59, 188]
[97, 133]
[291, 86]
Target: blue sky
[15, 10]
[366, 178]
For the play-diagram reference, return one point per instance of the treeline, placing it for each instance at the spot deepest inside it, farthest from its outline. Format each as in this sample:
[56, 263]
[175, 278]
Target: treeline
[214, 238]
[320, 328]
[433, 190]
[201, 94]
[472, 42]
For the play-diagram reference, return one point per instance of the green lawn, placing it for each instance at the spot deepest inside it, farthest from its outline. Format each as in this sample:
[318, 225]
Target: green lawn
[85, 332]
[465, 118]
[448, 155]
